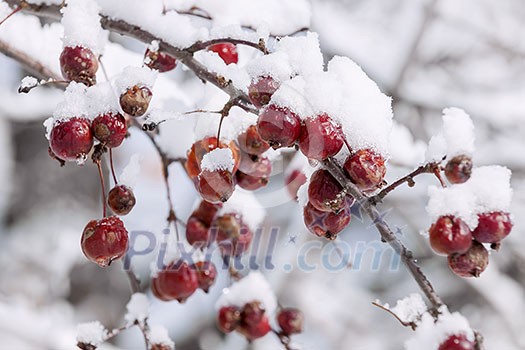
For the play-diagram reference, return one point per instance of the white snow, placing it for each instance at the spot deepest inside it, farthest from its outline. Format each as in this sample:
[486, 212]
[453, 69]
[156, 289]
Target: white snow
[409, 309]
[137, 309]
[246, 204]
[253, 287]
[92, 333]
[131, 172]
[304, 53]
[28, 82]
[236, 123]
[218, 159]
[159, 335]
[101, 99]
[81, 22]
[75, 103]
[131, 76]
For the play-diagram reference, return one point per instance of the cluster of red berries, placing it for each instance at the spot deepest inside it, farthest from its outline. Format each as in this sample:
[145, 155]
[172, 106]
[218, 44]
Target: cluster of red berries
[252, 321]
[178, 280]
[449, 235]
[457, 342]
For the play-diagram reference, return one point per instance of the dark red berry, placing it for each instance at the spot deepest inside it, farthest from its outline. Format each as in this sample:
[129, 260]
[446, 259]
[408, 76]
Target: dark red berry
[226, 51]
[320, 137]
[255, 331]
[457, 342]
[156, 291]
[110, 129]
[229, 318]
[279, 126]
[215, 186]
[459, 169]
[206, 212]
[492, 227]
[233, 236]
[366, 169]
[251, 142]
[206, 274]
[200, 148]
[104, 240]
[135, 101]
[177, 281]
[449, 235]
[295, 180]
[121, 199]
[197, 232]
[79, 64]
[325, 193]
[159, 60]
[257, 172]
[252, 313]
[325, 224]
[261, 90]
[71, 139]
[291, 321]
[470, 264]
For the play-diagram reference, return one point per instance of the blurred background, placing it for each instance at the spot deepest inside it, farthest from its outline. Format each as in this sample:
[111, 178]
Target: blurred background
[427, 55]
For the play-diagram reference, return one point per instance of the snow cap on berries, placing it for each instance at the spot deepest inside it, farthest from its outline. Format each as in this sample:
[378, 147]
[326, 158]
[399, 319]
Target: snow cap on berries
[81, 21]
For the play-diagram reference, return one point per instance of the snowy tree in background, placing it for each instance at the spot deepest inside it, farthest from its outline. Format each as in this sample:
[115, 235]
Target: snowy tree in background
[258, 188]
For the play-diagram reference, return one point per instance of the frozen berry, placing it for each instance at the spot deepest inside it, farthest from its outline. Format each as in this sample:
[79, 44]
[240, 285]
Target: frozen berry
[206, 274]
[449, 235]
[197, 233]
[104, 240]
[366, 169]
[279, 126]
[110, 129]
[257, 173]
[251, 142]
[215, 186]
[157, 292]
[261, 90]
[233, 236]
[135, 100]
[177, 281]
[492, 227]
[457, 342]
[320, 137]
[71, 139]
[206, 212]
[255, 331]
[295, 180]
[226, 51]
[200, 148]
[159, 61]
[325, 193]
[291, 321]
[252, 313]
[229, 318]
[325, 224]
[459, 169]
[470, 264]
[79, 64]
[121, 199]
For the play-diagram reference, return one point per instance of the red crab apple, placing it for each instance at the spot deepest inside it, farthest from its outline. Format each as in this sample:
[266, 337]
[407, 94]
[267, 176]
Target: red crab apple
[71, 139]
[215, 186]
[229, 318]
[470, 264]
[279, 126]
[110, 129]
[79, 64]
[226, 51]
[206, 274]
[251, 142]
[121, 199]
[321, 137]
[457, 342]
[325, 224]
[159, 60]
[261, 90]
[366, 169]
[135, 100]
[449, 235]
[325, 193]
[459, 169]
[177, 281]
[492, 227]
[104, 240]
[291, 321]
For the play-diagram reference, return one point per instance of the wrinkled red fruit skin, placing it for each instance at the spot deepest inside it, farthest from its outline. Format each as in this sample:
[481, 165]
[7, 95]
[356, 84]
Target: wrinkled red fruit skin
[228, 319]
[457, 342]
[470, 264]
[215, 186]
[79, 64]
[232, 235]
[492, 227]
[135, 100]
[110, 129]
[279, 126]
[253, 175]
[252, 313]
[459, 169]
[450, 235]
[160, 61]
[197, 232]
[320, 137]
[200, 148]
[325, 193]
[206, 212]
[261, 90]
[291, 321]
[206, 274]
[251, 142]
[293, 181]
[325, 224]
[104, 240]
[255, 331]
[366, 169]
[177, 281]
[71, 139]
[226, 51]
[121, 199]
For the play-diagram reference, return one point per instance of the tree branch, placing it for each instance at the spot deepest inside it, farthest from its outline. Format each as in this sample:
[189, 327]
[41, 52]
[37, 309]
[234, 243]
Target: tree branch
[32, 65]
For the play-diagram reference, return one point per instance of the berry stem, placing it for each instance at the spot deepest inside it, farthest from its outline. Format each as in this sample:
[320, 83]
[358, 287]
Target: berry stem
[112, 167]
[103, 187]
[17, 9]
[285, 340]
[201, 45]
[403, 323]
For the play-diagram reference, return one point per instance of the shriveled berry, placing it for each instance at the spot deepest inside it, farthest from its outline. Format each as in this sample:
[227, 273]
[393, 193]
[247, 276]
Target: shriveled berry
[251, 142]
[295, 180]
[459, 169]
[215, 186]
[457, 342]
[104, 240]
[159, 60]
[291, 321]
[320, 137]
[470, 264]
[261, 90]
[229, 318]
[79, 64]
[71, 139]
[226, 51]
[366, 169]
[197, 232]
[325, 224]
[257, 173]
[206, 274]
[206, 212]
[449, 235]
[177, 281]
[255, 331]
[232, 235]
[135, 100]
[492, 227]
[325, 193]
[279, 126]
[121, 199]
[200, 148]
[110, 129]
[252, 313]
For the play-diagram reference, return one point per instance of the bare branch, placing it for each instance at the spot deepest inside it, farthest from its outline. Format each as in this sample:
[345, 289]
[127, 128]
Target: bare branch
[30, 64]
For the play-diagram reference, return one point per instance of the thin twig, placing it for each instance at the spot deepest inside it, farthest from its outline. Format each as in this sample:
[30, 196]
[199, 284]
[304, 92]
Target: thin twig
[103, 186]
[405, 324]
[112, 167]
[34, 66]
[202, 45]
